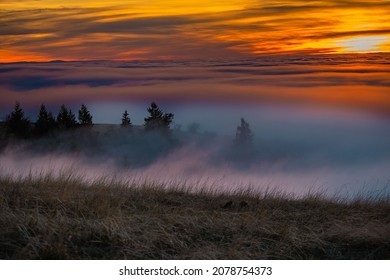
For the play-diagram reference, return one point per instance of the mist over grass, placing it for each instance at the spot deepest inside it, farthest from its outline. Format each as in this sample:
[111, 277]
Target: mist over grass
[305, 162]
[320, 123]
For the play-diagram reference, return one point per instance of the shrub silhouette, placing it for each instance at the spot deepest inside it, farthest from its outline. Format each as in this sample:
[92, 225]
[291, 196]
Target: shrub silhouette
[157, 120]
[16, 123]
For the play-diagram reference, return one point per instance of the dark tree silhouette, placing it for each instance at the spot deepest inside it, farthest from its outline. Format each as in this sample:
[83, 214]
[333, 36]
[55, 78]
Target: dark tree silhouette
[66, 119]
[126, 119]
[45, 122]
[243, 150]
[244, 135]
[16, 123]
[85, 117]
[157, 119]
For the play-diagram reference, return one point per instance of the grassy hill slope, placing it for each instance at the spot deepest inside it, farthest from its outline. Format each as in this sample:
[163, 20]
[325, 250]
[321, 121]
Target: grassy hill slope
[62, 218]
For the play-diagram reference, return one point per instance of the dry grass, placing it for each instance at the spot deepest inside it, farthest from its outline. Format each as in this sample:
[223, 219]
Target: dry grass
[64, 218]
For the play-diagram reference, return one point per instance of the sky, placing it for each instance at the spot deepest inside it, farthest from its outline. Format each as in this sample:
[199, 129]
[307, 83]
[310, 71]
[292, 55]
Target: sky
[332, 82]
[138, 29]
[327, 53]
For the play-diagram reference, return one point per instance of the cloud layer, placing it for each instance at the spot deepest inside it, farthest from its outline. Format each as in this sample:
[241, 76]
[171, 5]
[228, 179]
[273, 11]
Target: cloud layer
[336, 81]
[49, 30]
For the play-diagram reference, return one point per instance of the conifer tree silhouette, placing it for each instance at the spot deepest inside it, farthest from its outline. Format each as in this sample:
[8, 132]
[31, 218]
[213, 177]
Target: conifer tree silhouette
[244, 135]
[126, 119]
[66, 119]
[45, 122]
[16, 123]
[157, 119]
[243, 149]
[85, 117]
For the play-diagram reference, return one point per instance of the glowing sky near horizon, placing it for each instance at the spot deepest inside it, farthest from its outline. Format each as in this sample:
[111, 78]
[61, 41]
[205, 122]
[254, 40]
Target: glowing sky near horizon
[346, 82]
[323, 52]
[124, 30]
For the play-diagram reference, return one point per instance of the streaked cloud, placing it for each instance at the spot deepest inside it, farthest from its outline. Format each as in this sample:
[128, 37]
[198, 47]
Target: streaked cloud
[359, 82]
[87, 30]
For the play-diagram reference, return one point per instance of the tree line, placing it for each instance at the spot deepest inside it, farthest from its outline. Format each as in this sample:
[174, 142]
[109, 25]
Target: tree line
[19, 125]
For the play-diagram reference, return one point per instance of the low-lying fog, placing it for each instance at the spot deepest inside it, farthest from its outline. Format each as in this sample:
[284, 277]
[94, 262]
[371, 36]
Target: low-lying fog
[295, 150]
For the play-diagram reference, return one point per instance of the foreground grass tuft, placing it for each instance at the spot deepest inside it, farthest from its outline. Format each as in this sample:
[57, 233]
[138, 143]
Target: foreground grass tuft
[64, 218]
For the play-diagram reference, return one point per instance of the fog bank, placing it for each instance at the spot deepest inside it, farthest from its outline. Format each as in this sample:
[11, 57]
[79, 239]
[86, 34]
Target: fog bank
[345, 156]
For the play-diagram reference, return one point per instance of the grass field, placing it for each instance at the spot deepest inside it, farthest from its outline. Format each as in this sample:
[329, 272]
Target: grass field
[64, 218]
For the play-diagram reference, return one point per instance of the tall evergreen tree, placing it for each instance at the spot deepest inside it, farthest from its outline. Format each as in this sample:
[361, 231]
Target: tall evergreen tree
[16, 123]
[66, 119]
[243, 151]
[85, 117]
[157, 119]
[244, 135]
[45, 122]
[126, 119]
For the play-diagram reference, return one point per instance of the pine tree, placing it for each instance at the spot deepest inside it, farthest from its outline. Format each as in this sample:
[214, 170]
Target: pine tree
[85, 117]
[157, 119]
[244, 135]
[45, 122]
[66, 119]
[243, 151]
[126, 119]
[16, 123]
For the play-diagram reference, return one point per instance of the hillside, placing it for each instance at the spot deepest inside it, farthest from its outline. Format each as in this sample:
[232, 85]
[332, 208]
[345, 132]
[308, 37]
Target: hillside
[62, 218]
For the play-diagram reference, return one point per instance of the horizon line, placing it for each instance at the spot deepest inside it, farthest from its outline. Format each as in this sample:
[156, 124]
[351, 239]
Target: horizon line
[201, 59]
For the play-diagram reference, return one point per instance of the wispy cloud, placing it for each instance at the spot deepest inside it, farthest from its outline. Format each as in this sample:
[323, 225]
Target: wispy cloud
[333, 80]
[119, 30]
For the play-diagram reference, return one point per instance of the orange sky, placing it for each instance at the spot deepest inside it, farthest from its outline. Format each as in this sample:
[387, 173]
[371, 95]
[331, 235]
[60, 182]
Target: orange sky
[356, 82]
[138, 29]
